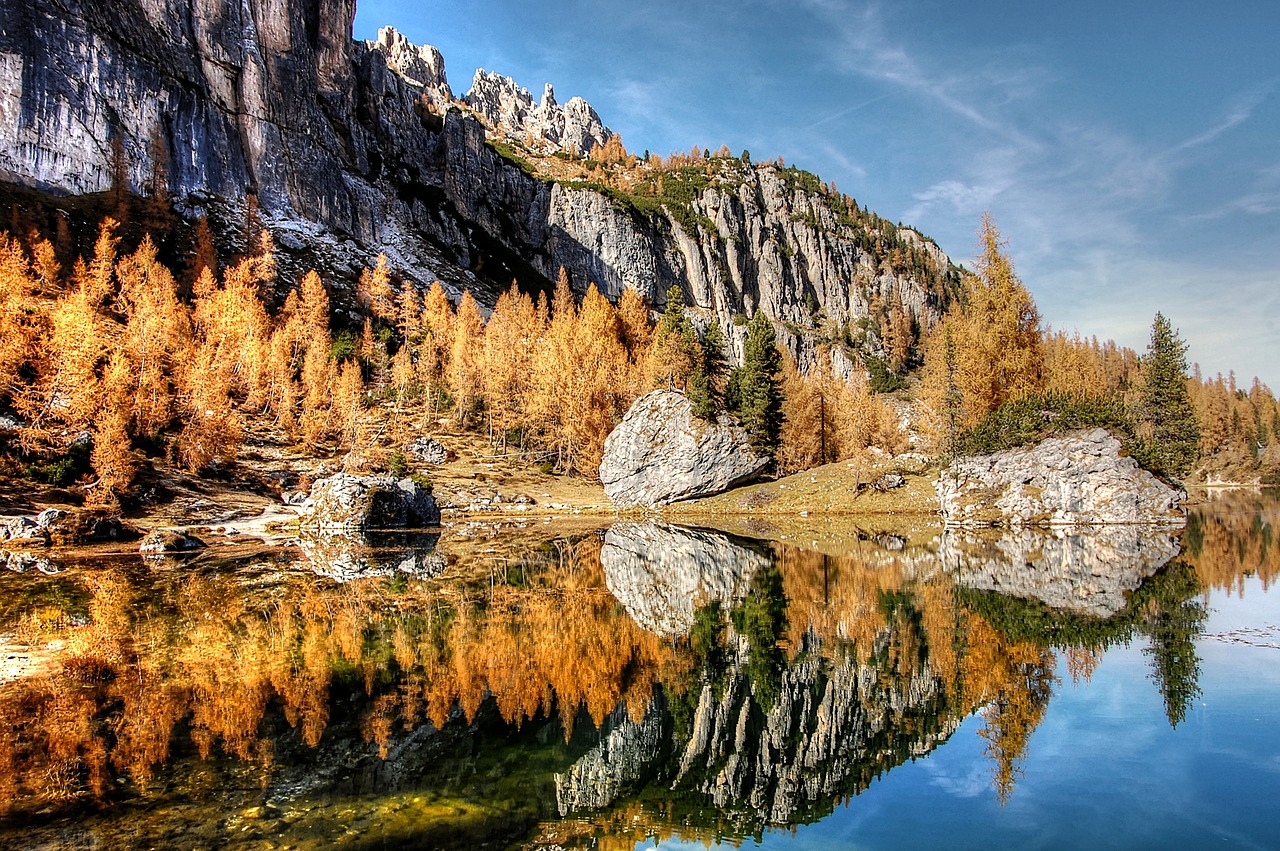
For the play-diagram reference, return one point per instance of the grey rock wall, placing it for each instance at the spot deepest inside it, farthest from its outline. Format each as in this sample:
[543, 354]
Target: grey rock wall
[358, 149]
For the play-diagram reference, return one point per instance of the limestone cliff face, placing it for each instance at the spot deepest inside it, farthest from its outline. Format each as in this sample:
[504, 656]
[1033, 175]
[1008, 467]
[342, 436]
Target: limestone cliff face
[354, 149]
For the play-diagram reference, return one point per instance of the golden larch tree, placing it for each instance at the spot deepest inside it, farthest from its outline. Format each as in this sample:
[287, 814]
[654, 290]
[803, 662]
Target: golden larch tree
[465, 370]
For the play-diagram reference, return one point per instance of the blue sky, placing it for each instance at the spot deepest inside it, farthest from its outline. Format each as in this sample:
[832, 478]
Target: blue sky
[1128, 151]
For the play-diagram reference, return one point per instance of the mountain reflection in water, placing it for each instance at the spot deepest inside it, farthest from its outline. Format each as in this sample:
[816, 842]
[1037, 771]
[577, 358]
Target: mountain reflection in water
[501, 685]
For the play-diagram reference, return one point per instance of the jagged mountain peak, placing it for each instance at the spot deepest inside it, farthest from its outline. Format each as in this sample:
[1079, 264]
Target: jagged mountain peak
[421, 66]
[547, 126]
[506, 107]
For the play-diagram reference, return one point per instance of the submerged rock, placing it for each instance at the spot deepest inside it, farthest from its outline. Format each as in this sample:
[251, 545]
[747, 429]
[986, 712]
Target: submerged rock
[662, 453]
[1081, 477]
[344, 501]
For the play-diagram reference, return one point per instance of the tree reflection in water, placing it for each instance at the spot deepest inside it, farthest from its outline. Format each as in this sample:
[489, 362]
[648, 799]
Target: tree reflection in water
[798, 677]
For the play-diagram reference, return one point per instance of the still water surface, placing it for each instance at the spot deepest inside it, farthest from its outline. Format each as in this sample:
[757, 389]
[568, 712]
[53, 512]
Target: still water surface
[637, 686]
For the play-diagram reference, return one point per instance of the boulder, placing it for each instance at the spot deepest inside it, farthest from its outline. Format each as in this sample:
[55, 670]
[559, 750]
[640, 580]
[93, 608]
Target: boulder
[85, 526]
[160, 542]
[662, 453]
[344, 501]
[428, 451]
[21, 529]
[1078, 478]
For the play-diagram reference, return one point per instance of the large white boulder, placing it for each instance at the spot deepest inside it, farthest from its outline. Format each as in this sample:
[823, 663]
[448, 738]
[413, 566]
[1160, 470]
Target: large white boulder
[662, 453]
[1081, 477]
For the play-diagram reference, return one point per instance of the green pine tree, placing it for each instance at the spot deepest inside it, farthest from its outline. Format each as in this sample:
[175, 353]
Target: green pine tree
[754, 391]
[1166, 416]
[706, 384]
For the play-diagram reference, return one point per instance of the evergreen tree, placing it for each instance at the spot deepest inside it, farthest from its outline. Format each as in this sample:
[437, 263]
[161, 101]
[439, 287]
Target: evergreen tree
[706, 383]
[754, 392]
[1167, 418]
[1174, 621]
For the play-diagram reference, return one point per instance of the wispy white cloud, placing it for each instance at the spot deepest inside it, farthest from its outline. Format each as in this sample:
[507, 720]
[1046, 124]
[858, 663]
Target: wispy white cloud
[843, 113]
[864, 45]
[1237, 113]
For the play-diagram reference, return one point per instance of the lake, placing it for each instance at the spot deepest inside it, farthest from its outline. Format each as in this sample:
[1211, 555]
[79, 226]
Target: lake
[795, 683]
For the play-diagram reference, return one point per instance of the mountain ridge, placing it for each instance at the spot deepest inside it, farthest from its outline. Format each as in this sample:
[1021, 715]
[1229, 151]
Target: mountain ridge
[353, 149]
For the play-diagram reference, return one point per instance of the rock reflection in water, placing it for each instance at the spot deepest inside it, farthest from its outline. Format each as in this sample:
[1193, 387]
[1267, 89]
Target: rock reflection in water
[660, 572]
[1083, 569]
[351, 555]
[763, 736]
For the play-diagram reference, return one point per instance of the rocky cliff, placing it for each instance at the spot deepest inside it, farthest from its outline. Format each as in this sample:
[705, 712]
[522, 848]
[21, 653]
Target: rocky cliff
[355, 149]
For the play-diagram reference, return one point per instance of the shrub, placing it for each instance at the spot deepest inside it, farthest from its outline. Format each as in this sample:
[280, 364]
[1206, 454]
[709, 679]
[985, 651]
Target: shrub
[883, 379]
[397, 464]
[1031, 419]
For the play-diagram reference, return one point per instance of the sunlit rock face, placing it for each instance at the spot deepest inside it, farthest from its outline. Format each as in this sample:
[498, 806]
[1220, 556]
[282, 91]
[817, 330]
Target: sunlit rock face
[662, 453]
[660, 573]
[422, 67]
[1083, 570]
[353, 149]
[350, 555]
[1080, 477]
[574, 128]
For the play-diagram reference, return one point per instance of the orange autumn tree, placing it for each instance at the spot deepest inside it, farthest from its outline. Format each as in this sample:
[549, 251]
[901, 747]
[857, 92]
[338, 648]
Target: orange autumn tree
[227, 363]
[20, 323]
[987, 350]
[157, 335]
[827, 418]
[510, 342]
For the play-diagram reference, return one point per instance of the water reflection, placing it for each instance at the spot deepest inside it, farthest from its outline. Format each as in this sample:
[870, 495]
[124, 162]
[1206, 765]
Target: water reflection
[647, 680]
[348, 555]
[1088, 570]
[658, 571]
